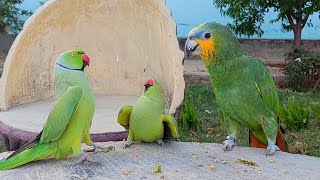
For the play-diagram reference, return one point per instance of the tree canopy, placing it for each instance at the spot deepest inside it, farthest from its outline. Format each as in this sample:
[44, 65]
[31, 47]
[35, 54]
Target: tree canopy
[10, 15]
[248, 15]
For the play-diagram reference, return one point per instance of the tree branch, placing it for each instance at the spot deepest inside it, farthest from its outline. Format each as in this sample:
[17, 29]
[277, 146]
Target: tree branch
[304, 21]
[290, 11]
[293, 26]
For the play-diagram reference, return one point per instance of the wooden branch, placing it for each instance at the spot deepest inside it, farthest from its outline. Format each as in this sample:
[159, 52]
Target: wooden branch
[291, 13]
[291, 22]
[304, 21]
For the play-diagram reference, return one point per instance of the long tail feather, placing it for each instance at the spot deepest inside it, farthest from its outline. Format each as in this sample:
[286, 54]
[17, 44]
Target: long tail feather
[255, 142]
[37, 152]
[26, 146]
[280, 142]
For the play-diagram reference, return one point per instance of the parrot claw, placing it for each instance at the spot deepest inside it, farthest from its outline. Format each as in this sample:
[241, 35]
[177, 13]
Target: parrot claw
[103, 148]
[229, 143]
[84, 158]
[127, 143]
[272, 148]
[160, 142]
[89, 149]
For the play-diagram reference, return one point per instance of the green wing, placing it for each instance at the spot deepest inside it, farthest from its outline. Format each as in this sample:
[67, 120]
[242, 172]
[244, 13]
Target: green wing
[247, 94]
[265, 86]
[59, 117]
[124, 116]
[171, 123]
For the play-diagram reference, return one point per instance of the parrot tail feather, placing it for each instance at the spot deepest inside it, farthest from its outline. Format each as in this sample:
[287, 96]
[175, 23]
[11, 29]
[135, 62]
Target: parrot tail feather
[37, 152]
[26, 146]
[280, 142]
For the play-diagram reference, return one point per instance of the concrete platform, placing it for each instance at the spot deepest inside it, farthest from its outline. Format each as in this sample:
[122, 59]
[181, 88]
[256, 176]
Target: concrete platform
[177, 160]
[23, 122]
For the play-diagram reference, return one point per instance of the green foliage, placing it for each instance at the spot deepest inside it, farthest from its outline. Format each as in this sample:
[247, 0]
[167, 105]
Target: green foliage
[296, 115]
[303, 70]
[10, 15]
[42, 2]
[316, 110]
[188, 115]
[248, 14]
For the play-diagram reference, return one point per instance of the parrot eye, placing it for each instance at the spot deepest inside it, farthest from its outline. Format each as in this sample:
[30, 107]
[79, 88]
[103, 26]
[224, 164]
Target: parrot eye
[74, 54]
[207, 35]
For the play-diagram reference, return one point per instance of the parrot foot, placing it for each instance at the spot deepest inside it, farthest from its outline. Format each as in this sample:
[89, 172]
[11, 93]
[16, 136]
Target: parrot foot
[272, 148]
[127, 143]
[103, 148]
[89, 149]
[229, 143]
[84, 158]
[160, 142]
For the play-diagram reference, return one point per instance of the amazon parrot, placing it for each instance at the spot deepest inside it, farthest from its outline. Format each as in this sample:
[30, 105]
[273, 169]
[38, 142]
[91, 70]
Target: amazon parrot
[243, 87]
[69, 121]
[146, 120]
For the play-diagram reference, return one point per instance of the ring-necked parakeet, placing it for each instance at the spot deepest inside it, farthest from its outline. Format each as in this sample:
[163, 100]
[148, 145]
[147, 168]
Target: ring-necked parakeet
[243, 86]
[69, 121]
[146, 120]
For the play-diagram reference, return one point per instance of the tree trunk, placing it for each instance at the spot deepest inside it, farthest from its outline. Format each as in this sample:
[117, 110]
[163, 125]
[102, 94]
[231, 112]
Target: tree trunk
[2, 29]
[297, 36]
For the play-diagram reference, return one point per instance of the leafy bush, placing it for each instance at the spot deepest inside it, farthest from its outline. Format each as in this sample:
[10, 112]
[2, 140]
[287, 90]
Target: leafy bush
[316, 110]
[296, 115]
[303, 70]
[188, 115]
[10, 15]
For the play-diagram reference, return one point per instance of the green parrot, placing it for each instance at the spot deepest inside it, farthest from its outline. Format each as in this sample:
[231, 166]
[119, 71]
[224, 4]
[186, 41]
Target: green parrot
[146, 120]
[243, 86]
[69, 121]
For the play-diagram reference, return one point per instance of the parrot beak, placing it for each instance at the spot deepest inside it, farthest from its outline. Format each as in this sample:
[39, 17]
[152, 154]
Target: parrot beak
[148, 84]
[192, 48]
[85, 59]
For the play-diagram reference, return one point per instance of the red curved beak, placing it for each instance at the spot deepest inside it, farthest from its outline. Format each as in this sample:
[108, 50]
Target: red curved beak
[85, 59]
[150, 82]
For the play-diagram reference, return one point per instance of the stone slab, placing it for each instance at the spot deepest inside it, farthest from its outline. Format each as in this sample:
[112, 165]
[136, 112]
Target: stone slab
[178, 160]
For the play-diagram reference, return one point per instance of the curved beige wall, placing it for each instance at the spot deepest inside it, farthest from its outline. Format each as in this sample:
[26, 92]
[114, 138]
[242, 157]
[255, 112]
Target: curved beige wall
[118, 36]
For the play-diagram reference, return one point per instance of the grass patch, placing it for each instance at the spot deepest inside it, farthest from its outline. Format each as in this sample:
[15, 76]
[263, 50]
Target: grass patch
[211, 128]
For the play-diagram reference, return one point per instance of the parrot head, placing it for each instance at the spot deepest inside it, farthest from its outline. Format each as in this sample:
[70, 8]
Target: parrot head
[213, 42]
[73, 60]
[153, 90]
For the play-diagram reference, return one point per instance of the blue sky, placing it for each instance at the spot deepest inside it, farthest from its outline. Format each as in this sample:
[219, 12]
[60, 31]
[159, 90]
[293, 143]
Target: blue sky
[190, 13]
